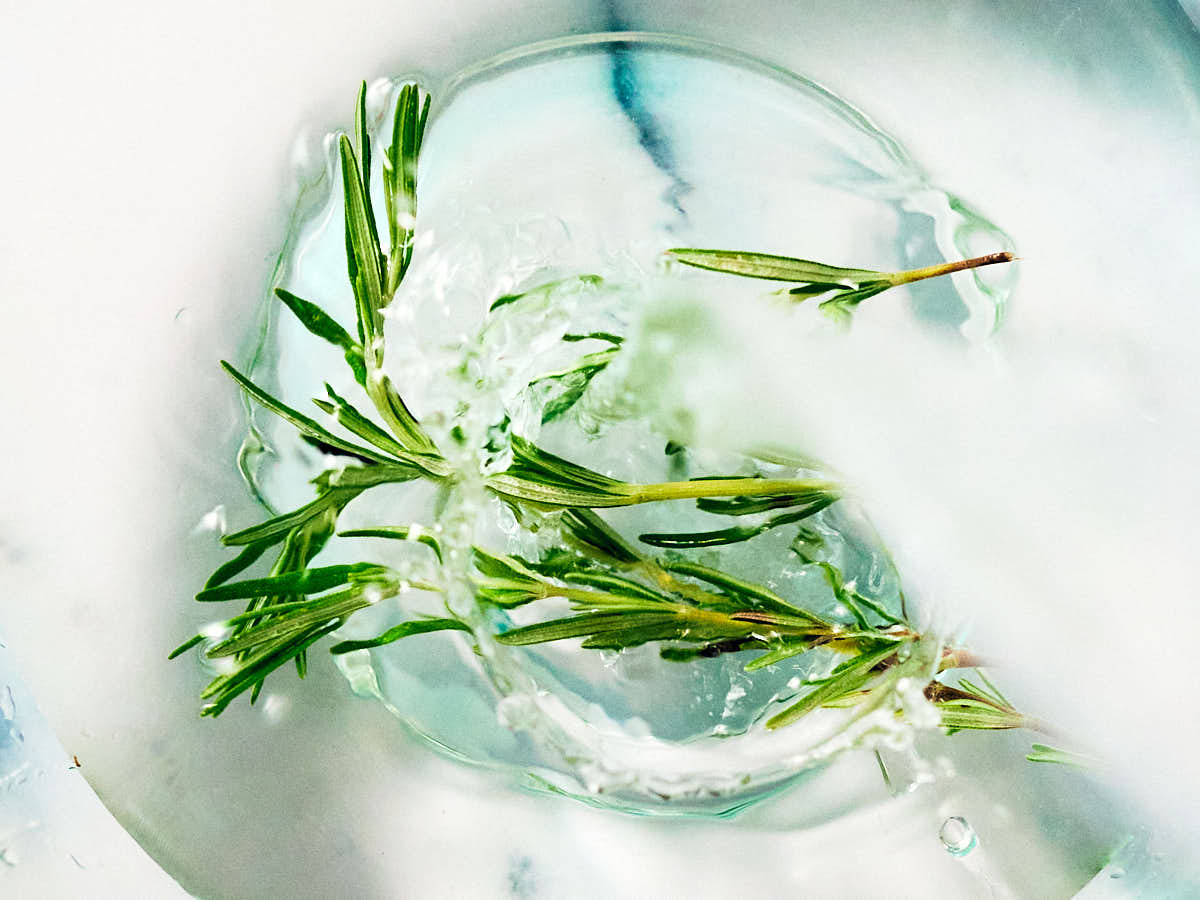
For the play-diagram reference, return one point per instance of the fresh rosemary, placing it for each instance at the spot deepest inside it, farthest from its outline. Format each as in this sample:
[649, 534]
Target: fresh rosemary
[621, 595]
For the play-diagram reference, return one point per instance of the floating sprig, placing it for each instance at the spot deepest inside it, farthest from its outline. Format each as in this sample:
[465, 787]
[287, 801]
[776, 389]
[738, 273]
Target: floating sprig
[842, 289]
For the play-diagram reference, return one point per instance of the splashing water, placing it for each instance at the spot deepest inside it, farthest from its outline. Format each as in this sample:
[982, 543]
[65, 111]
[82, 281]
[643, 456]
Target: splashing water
[574, 187]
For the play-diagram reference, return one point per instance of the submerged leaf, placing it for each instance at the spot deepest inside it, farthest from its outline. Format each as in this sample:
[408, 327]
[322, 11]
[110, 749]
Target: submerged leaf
[403, 630]
[413, 534]
[847, 678]
[363, 256]
[305, 581]
[737, 534]
[770, 267]
[542, 291]
[301, 422]
[320, 323]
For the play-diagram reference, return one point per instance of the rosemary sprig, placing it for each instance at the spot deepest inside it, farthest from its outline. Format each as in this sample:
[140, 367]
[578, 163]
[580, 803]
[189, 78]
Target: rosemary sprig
[620, 596]
[842, 288]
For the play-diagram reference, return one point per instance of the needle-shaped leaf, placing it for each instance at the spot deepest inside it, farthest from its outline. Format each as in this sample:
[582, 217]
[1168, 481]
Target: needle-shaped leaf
[226, 688]
[814, 500]
[696, 539]
[769, 266]
[321, 324]
[615, 339]
[276, 529]
[590, 625]
[709, 650]
[848, 677]
[363, 259]
[403, 630]
[841, 306]
[362, 142]
[359, 478]
[398, 416]
[543, 291]
[412, 534]
[815, 289]
[593, 534]
[357, 423]
[185, 646]
[507, 582]
[306, 581]
[244, 560]
[400, 179]
[316, 320]
[298, 420]
[1047, 754]
[753, 594]
[568, 385]
[299, 618]
[618, 585]
[778, 654]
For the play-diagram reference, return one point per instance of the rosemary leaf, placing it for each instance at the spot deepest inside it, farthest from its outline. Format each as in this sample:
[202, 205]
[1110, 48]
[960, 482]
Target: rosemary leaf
[1046, 754]
[412, 534]
[403, 630]
[244, 560]
[398, 417]
[400, 177]
[301, 422]
[543, 291]
[735, 535]
[768, 266]
[320, 323]
[306, 581]
[755, 595]
[358, 424]
[226, 688]
[276, 529]
[778, 654]
[847, 678]
[363, 258]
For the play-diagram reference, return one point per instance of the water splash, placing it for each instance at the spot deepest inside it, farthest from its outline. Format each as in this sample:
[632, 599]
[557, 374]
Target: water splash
[494, 223]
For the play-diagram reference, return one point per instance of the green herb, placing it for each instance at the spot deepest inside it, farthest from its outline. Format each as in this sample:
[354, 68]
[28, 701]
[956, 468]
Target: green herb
[621, 595]
[842, 288]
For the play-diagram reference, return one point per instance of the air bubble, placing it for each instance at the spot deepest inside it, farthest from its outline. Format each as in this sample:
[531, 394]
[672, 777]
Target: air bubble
[957, 836]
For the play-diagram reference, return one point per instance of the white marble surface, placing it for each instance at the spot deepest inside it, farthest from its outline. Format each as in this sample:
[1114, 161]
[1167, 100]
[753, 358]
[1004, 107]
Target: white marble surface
[145, 167]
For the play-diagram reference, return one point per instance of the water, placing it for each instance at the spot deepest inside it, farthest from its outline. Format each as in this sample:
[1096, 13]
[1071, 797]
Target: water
[957, 836]
[594, 158]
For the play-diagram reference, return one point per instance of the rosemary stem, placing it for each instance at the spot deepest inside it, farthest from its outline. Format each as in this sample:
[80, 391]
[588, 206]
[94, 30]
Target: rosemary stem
[728, 487]
[991, 259]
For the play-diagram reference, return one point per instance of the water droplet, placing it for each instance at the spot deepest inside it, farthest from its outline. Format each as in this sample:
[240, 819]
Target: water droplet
[9, 858]
[1116, 872]
[957, 836]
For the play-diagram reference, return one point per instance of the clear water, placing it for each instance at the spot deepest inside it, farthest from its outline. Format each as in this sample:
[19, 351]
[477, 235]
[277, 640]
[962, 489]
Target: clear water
[594, 158]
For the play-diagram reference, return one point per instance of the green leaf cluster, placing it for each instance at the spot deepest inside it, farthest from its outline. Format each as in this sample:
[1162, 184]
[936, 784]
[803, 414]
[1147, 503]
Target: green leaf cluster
[620, 595]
